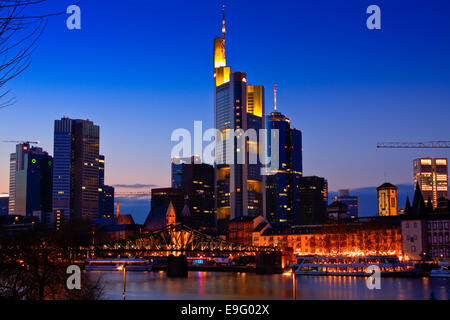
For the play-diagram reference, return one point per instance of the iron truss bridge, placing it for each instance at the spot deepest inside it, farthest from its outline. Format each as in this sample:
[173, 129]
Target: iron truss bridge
[178, 238]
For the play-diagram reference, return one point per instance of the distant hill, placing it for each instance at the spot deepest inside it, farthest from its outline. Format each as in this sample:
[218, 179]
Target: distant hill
[368, 198]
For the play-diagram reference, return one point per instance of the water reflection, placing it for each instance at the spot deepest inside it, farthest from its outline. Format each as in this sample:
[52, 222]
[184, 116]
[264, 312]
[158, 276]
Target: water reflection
[221, 285]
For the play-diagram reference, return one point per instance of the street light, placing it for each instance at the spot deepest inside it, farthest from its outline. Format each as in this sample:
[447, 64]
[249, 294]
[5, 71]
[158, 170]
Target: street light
[124, 268]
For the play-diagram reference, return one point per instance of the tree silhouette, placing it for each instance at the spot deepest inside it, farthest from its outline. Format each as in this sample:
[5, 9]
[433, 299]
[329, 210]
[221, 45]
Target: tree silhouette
[20, 30]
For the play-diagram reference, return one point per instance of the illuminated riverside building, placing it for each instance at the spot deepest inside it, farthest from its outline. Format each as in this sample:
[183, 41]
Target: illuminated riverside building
[432, 176]
[387, 199]
[238, 187]
[426, 232]
[31, 182]
[75, 170]
[283, 187]
[364, 236]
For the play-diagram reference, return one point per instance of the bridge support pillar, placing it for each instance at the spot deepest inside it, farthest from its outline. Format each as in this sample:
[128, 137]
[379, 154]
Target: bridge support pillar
[177, 266]
[268, 263]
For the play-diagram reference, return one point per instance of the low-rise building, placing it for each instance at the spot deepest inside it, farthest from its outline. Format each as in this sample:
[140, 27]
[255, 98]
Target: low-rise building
[425, 231]
[361, 236]
[241, 229]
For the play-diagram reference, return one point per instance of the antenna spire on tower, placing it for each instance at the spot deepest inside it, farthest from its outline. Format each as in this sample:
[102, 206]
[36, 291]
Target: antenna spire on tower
[275, 97]
[223, 21]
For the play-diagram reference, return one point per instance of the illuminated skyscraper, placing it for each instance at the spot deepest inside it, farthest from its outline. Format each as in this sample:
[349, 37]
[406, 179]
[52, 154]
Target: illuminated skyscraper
[387, 199]
[196, 181]
[432, 176]
[31, 182]
[283, 187]
[16, 163]
[238, 184]
[75, 170]
[105, 192]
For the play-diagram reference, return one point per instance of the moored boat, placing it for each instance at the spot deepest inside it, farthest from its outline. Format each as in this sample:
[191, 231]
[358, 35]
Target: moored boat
[118, 264]
[389, 266]
[442, 272]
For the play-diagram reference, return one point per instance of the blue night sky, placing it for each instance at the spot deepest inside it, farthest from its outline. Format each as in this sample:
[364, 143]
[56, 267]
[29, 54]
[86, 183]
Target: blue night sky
[143, 69]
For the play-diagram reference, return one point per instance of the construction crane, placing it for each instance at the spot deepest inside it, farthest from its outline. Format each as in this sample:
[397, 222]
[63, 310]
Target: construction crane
[415, 145]
[21, 141]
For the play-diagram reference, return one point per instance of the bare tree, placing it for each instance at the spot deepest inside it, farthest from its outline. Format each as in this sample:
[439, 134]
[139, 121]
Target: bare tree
[20, 30]
[33, 265]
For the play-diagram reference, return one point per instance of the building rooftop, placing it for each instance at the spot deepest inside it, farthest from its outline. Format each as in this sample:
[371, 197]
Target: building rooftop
[386, 185]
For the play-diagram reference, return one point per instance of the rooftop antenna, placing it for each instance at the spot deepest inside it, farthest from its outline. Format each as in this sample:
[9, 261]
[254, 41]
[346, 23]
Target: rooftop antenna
[223, 21]
[275, 97]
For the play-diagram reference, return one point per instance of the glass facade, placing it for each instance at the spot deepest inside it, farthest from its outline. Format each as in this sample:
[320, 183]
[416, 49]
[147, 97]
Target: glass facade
[76, 170]
[432, 176]
[283, 188]
[32, 186]
[313, 195]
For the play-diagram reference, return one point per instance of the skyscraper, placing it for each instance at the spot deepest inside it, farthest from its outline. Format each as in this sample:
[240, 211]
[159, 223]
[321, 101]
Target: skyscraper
[30, 182]
[105, 192]
[387, 199]
[313, 195]
[238, 106]
[196, 180]
[76, 170]
[283, 187]
[16, 163]
[432, 176]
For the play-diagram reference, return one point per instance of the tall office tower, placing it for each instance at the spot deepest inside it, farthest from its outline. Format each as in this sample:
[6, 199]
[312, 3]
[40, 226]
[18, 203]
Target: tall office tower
[177, 169]
[238, 183]
[432, 176]
[105, 192]
[12, 184]
[16, 163]
[313, 196]
[352, 202]
[387, 200]
[283, 187]
[75, 170]
[101, 170]
[30, 182]
[196, 180]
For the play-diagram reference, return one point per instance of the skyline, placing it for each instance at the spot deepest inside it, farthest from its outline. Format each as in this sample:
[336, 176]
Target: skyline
[314, 101]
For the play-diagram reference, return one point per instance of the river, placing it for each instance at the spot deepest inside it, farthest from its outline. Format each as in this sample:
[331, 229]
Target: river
[224, 285]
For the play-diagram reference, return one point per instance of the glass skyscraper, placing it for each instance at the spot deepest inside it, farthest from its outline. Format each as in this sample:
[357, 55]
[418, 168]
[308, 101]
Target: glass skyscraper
[283, 187]
[238, 184]
[432, 176]
[76, 170]
[105, 192]
[30, 182]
